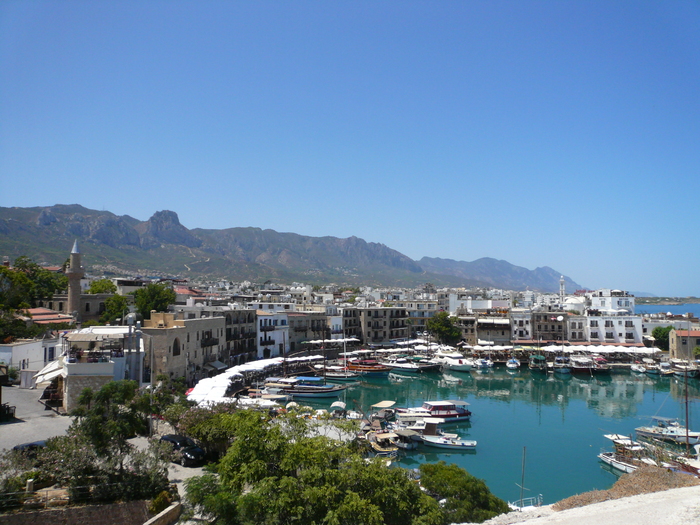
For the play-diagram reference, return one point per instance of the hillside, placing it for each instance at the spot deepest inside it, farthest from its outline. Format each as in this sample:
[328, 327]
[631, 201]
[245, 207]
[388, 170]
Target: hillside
[163, 246]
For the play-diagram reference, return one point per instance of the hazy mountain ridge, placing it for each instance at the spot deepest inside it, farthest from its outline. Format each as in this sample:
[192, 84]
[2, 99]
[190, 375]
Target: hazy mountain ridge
[162, 244]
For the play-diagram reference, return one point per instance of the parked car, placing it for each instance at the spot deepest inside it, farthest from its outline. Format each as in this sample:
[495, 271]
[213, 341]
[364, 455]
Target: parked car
[188, 452]
[30, 449]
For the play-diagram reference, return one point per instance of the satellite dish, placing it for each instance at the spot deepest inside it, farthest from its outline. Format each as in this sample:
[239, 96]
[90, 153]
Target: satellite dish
[560, 318]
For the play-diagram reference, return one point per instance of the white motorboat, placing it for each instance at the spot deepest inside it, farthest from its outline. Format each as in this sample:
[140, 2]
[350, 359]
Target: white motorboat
[451, 411]
[513, 364]
[410, 366]
[449, 443]
[483, 362]
[453, 361]
[627, 456]
[670, 430]
[638, 368]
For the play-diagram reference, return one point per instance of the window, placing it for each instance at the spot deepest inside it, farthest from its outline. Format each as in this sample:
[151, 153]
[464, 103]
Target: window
[594, 324]
[608, 324]
[629, 335]
[176, 346]
[87, 307]
[609, 335]
[594, 335]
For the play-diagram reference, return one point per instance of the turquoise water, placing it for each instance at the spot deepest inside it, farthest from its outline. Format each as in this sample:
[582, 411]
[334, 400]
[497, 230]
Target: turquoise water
[676, 309]
[560, 421]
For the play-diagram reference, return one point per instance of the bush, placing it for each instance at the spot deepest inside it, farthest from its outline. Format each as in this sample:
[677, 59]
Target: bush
[161, 502]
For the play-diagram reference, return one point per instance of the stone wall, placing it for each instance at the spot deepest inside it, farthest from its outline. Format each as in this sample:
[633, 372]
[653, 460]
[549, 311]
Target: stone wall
[168, 516]
[74, 385]
[129, 513]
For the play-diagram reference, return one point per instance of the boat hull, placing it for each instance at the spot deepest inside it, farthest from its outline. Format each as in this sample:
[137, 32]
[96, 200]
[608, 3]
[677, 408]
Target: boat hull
[610, 458]
[449, 443]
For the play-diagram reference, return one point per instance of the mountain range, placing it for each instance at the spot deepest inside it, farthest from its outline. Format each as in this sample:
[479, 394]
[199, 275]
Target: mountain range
[111, 244]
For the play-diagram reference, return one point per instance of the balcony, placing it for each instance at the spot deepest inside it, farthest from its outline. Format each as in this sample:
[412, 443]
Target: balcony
[300, 329]
[210, 341]
[267, 328]
[267, 342]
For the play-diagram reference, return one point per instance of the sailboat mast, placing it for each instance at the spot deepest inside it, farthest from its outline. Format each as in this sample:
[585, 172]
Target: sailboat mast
[522, 480]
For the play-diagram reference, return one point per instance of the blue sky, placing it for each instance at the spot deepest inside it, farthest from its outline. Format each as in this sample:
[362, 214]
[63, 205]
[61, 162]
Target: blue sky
[545, 133]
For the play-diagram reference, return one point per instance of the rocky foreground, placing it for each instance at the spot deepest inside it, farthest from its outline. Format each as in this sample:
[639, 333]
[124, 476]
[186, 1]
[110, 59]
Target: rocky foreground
[648, 496]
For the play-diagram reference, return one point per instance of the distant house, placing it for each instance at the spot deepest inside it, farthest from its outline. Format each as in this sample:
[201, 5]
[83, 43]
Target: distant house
[682, 343]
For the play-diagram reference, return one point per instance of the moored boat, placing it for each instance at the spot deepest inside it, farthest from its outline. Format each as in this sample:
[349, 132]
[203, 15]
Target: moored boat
[302, 386]
[368, 367]
[537, 363]
[449, 443]
[562, 365]
[627, 456]
[582, 364]
[670, 430]
[406, 439]
[513, 364]
[450, 411]
[382, 443]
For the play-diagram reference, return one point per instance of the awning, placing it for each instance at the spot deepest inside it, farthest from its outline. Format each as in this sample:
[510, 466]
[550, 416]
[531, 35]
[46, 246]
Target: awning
[216, 365]
[384, 404]
[49, 372]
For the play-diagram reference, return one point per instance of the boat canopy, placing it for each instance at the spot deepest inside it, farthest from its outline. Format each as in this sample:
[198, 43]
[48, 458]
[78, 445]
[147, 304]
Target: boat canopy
[384, 404]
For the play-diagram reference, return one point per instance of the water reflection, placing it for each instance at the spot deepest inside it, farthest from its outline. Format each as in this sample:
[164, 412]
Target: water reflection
[614, 396]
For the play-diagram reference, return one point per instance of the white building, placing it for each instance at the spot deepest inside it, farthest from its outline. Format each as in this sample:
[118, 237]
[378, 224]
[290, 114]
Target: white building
[273, 328]
[520, 324]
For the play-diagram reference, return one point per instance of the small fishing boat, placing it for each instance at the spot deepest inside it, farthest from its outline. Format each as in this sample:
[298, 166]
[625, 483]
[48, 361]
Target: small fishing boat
[449, 443]
[582, 364]
[669, 430]
[628, 455]
[410, 366]
[562, 365]
[406, 439]
[483, 363]
[684, 369]
[383, 411]
[368, 367]
[513, 364]
[340, 374]
[382, 444]
[302, 386]
[637, 368]
[537, 363]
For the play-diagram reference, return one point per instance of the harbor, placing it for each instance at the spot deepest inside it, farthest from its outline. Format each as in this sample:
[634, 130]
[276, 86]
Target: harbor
[561, 419]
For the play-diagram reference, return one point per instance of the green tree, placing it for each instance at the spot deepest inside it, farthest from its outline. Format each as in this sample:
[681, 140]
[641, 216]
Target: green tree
[464, 498]
[154, 296]
[116, 307]
[441, 325]
[102, 286]
[660, 335]
[109, 417]
[277, 471]
[44, 282]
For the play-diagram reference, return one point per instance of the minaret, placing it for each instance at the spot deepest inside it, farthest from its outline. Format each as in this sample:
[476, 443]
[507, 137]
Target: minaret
[74, 272]
[562, 291]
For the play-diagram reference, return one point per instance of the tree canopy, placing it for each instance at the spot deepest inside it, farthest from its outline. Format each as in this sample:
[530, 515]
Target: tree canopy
[660, 335]
[441, 325]
[116, 307]
[102, 286]
[24, 286]
[154, 296]
[281, 472]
